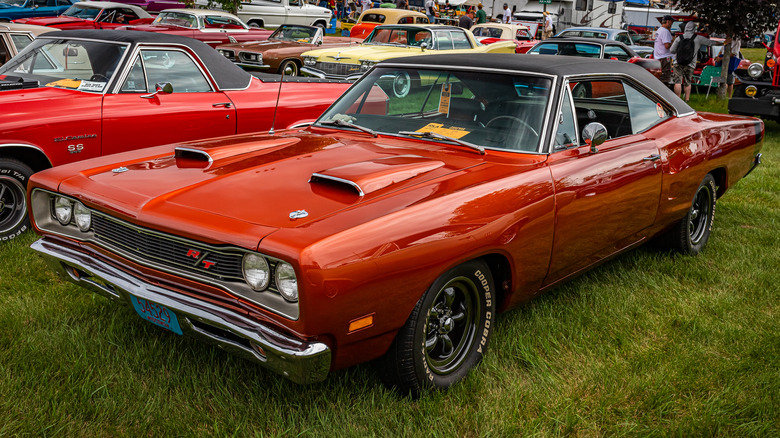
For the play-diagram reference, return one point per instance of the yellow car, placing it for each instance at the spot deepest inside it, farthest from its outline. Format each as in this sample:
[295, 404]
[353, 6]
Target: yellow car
[394, 41]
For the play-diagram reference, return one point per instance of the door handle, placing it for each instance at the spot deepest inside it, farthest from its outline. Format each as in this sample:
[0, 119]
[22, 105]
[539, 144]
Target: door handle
[654, 157]
[223, 105]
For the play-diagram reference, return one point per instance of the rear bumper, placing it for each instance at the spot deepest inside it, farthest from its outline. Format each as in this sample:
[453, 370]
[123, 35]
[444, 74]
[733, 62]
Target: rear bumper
[301, 362]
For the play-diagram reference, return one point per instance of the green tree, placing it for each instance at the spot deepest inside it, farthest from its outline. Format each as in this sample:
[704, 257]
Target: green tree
[735, 19]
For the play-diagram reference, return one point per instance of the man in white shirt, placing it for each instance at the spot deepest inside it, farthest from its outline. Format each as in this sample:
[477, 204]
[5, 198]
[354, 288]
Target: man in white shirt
[663, 41]
[548, 26]
[430, 10]
[367, 4]
[507, 17]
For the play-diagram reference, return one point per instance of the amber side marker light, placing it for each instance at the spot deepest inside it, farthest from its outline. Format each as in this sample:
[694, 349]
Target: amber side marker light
[770, 63]
[361, 323]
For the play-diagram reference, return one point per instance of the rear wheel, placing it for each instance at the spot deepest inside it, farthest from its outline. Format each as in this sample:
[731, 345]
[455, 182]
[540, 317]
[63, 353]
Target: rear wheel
[691, 234]
[446, 334]
[13, 207]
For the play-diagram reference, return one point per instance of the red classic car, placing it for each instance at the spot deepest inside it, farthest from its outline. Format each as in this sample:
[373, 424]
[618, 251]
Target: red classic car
[72, 95]
[211, 27]
[488, 33]
[93, 15]
[395, 227]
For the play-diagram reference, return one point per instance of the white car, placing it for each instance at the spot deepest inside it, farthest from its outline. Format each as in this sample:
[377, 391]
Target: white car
[271, 14]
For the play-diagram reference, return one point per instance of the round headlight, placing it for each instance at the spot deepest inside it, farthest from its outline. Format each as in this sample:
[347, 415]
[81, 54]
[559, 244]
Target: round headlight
[755, 70]
[286, 281]
[63, 209]
[82, 216]
[256, 271]
[309, 60]
[751, 91]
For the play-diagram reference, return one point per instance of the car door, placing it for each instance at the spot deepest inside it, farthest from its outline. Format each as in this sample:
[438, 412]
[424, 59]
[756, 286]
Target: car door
[137, 117]
[605, 196]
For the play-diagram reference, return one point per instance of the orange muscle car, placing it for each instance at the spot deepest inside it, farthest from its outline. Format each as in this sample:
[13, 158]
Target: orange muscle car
[395, 227]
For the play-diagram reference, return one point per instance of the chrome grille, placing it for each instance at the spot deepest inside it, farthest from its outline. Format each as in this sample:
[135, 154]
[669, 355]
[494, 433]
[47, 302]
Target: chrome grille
[337, 68]
[168, 250]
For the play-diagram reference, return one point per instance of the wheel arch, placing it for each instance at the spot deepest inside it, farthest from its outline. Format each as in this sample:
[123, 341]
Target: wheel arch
[721, 180]
[29, 155]
[501, 270]
[257, 21]
[322, 22]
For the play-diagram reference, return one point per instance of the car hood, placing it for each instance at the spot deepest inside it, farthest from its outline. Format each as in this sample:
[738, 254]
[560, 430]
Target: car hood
[263, 182]
[52, 21]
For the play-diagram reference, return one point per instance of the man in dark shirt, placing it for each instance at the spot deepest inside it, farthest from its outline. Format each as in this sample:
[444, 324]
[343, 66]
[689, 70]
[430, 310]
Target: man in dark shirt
[466, 20]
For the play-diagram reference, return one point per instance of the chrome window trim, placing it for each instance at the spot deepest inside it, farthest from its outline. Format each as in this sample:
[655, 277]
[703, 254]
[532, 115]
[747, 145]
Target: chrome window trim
[567, 94]
[175, 47]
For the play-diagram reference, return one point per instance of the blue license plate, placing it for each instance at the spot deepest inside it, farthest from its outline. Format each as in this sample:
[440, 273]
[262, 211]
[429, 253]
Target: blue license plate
[156, 314]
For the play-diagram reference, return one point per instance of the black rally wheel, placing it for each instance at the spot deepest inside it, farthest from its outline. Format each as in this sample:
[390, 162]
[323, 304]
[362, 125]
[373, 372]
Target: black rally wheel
[691, 234]
[446, 334]
[13, 207]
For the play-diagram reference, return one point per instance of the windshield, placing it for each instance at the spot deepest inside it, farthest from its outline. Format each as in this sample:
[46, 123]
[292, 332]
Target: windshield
[487, 110]
[176, 19]
[400, 36]
[490, 32]
[568, 49]
[294, 33]
[81, 11]
[15, 2]
[73, 64]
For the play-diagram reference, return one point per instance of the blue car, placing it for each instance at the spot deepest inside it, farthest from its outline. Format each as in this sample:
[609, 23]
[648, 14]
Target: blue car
[13, 9]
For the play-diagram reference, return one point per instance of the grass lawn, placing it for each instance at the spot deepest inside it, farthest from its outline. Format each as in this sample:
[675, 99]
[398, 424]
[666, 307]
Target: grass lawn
[649, 344]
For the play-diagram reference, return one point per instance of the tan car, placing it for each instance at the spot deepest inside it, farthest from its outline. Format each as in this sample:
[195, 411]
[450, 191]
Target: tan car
[374, 17]
[282, 51]
[15, 37]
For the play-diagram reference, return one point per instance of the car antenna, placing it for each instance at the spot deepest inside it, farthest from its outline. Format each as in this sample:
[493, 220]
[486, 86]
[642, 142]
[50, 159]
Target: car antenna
[276, 108]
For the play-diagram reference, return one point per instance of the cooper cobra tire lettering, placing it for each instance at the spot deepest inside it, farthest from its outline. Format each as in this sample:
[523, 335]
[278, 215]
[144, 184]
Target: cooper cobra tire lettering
[14, 175]
[446, 334]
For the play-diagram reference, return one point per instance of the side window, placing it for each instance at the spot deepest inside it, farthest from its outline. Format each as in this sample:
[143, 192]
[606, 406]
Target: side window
[644, 111]
[566, 134]
[623, 38]
[616, 52]
[460, 40]
[136, 80]
[604, 102]
[5, 54]
[421, 20]
[443, 40]
[174, 67]
[39, 3]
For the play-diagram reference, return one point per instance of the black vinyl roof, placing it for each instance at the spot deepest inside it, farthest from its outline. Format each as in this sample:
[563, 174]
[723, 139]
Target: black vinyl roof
[555, 65]
[227, 75]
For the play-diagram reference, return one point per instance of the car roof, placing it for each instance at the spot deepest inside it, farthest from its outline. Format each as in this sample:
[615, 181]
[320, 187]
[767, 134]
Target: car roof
[227, 75]
[597, 41]
[200, 12]
[390, 12]
[555, 65]
[421, 26]
[106, 5]
[33, 29]
[593, 29]
[502, 25]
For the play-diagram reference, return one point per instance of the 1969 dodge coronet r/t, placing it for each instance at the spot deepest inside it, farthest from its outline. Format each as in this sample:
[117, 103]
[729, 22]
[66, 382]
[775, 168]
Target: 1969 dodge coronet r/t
[396, 226]
[78, 94]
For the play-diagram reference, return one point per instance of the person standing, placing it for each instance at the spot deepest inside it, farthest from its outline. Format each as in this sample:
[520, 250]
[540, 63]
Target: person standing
[507, 17]
[663, 41]
[466, 20]
[736, 46]
[685, 48]
[367, 4]
[548, 26]
[481, 15]
[430, 10]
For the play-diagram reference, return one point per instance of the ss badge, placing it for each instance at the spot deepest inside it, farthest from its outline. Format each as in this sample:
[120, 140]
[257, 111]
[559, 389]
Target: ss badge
[75, 148]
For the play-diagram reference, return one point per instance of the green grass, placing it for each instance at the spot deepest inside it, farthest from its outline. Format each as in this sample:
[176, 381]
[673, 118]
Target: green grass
[649, 344]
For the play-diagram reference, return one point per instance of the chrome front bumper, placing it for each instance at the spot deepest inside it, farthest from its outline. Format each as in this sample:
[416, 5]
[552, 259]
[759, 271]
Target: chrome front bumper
[322, 75]
[301, 362]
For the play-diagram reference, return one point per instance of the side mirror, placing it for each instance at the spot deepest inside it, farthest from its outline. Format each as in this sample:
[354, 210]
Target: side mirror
[70, 51]
[594, 134]
[423, 46]
[160, 87]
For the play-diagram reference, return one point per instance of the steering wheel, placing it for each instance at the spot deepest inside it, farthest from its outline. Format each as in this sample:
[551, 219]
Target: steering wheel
[514, 119]
[97, 77]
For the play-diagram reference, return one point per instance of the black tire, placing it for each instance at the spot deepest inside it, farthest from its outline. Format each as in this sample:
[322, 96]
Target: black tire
[13, 206]
[446, 334]
[321, 25]
[404, 82]
[290, 68]
[691, 234]
[255, 24]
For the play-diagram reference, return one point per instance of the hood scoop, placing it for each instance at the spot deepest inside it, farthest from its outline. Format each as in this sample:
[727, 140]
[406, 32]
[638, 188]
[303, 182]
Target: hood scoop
[17, 83]
[208, 156]
[369, 176]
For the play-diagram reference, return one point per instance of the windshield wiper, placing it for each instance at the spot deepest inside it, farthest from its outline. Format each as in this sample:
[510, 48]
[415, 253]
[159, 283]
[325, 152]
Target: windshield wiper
[437, 136]
[342, 122]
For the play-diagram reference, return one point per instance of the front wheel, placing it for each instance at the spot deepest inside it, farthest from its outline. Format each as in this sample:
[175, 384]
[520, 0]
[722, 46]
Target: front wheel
[289, 68]
[13, 207]
[446, 334]
[691, 234]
